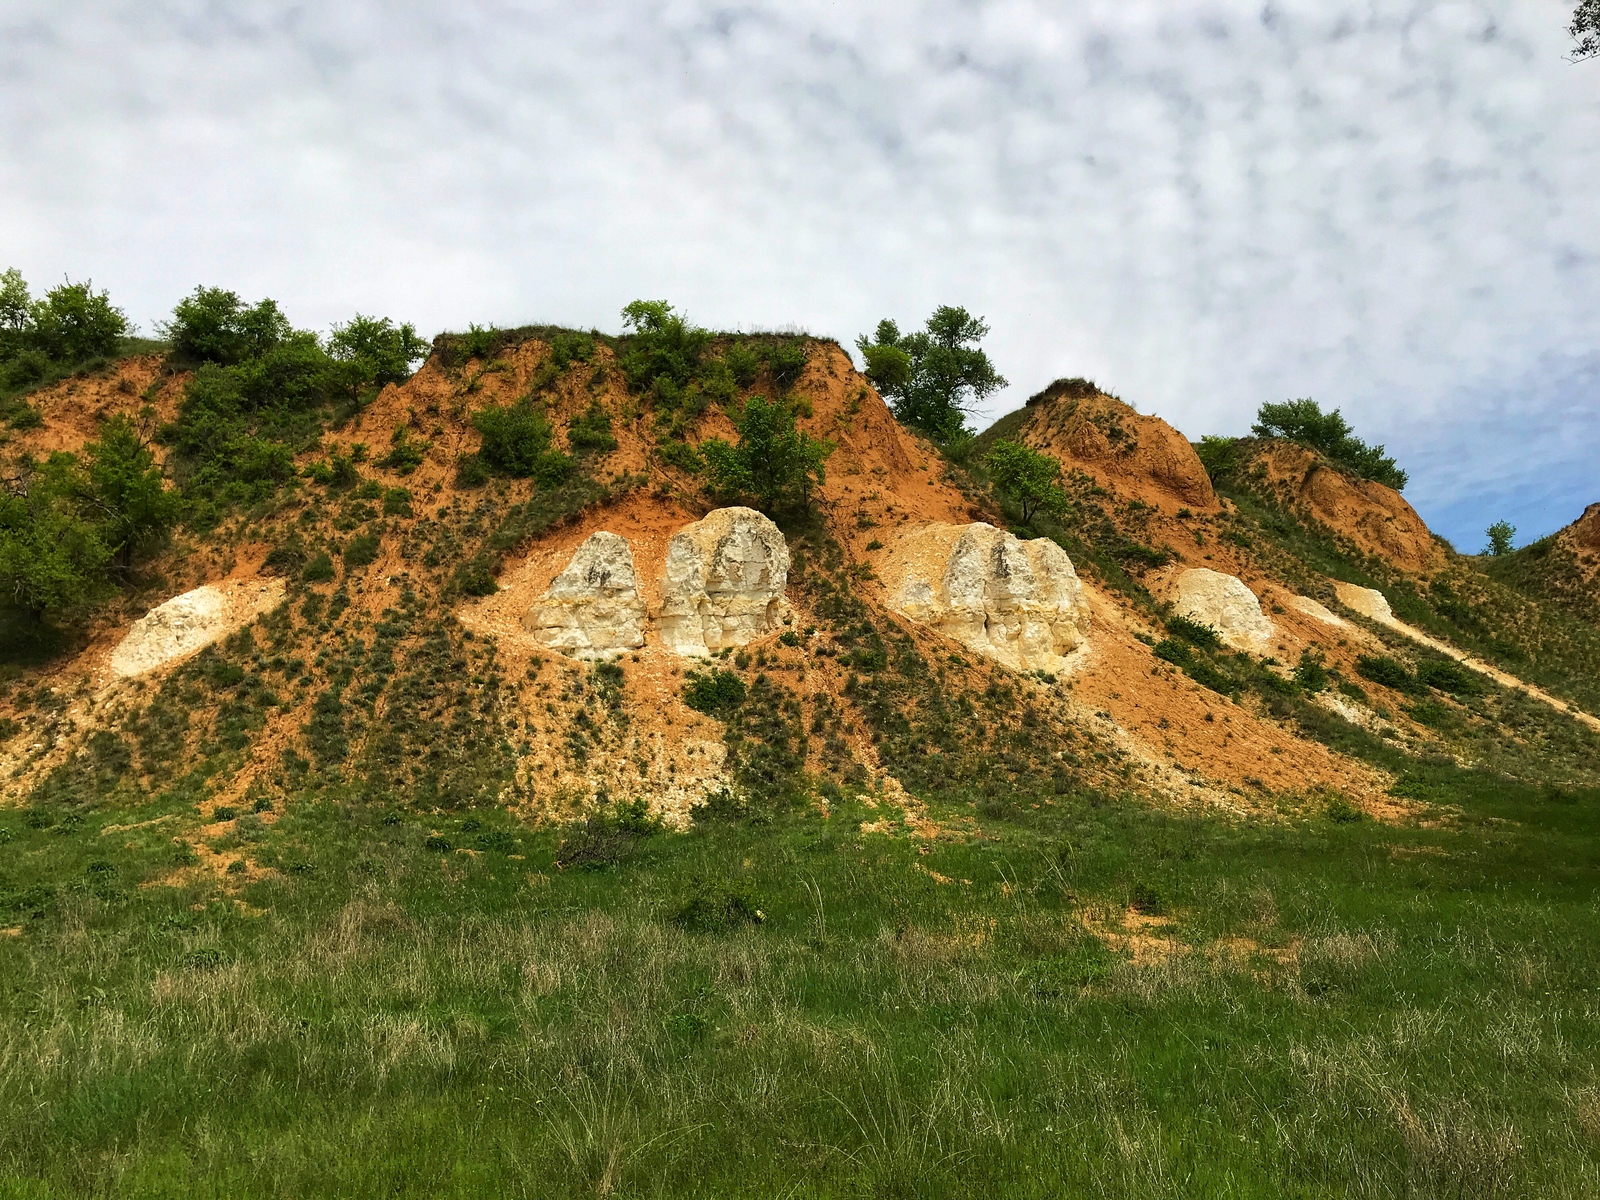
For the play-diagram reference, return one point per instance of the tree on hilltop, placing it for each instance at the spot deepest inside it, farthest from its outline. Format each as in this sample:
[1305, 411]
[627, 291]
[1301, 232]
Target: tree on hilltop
[1303, 421]
[1585, 30]
[935, 377]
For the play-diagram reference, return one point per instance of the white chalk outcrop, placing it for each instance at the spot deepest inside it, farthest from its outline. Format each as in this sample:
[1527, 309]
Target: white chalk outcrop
[192, 621]
[1369, 602]
[1318, 611]
[723, 582]
[593, 608]
[1224, 603]
[1020, 603]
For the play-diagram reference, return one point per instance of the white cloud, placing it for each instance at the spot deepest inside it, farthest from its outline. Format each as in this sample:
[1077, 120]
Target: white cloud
[1389, 206]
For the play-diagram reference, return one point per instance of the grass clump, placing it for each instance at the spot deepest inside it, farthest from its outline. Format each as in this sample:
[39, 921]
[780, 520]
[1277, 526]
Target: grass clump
[714, 693]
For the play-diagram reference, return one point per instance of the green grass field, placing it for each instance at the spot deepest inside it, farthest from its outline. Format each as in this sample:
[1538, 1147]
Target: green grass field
[1350, 1009]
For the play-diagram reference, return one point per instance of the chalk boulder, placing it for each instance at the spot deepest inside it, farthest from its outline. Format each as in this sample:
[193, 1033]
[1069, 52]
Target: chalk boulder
[1224, 603]
[1318, 611]
[723, 582]
[189, 622]
[1019, 603]
[593, 608]
[1369, 602]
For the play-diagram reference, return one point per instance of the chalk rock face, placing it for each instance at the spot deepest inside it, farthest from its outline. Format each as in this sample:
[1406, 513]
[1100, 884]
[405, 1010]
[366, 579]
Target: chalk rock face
[1020, 603]
[1318, 611]
[191, 621]
[723, 582]
[593, 608]
[1224, 603]
[1369, 602]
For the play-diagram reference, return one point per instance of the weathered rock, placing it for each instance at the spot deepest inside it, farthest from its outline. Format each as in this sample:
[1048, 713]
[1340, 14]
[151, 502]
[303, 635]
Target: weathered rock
[187, 623]
[1224, 603]
[593, 608]
[723, 582]
[1369, 602]
[1376, 519]
[1088, 429]
[1319, 611]
[1019, 603]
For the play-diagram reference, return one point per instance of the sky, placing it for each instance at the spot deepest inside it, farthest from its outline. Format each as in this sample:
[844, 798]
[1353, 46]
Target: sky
[1203, 205]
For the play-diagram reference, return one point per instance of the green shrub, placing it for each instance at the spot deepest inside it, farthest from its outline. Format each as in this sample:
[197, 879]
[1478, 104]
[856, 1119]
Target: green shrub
[1309, 673]
[404, 456]
[567, 348]
[1196, 633]
[591, 430]
[1221, 456]
[1446, 675]
[215, 326]
[743, 363]
[662, 351]
[437, 844]
[516, 442]
[471, 471]
[397, 502]
[373, 351]
[786, 361]
[714, 694]
[318, 570]
[362, 550]
[476, 578]
[1341, 812]
[775, 464]
[1303, 421]
[718, 907]
[1381, 669]
[682, 456]
[1032, 479]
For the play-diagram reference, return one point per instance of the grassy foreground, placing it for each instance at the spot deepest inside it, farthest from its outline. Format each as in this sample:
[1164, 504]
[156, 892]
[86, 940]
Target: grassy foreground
[1351, 1009]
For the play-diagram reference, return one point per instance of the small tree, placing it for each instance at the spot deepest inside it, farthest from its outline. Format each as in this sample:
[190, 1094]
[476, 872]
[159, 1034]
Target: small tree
[74, 322]
[52, 560]
[1585, 30]
[215, 326]
[1032, 479]
[932, 379]
[1500, 535]
[374, 351]
[127, 489]
[775, 463]
[516, 441]
[1303, 421]
[662, 345]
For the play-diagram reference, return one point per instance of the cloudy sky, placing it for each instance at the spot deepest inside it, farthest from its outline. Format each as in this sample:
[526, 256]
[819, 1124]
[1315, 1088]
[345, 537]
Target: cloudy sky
[1391, 207]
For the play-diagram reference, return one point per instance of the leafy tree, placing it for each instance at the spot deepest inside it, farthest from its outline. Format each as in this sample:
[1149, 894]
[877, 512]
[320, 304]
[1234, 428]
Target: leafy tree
[16, 309]
[1303, 421]
[1032, 479]
[126, 486]
[663, 350]
[774, 463]
[215, 326]
[591, 430]
[516, 441]
[370, 352]
[1500, 535]
[1585, 29]
[74, 322]
[934, 377]
[1220, 456]
[52, 558]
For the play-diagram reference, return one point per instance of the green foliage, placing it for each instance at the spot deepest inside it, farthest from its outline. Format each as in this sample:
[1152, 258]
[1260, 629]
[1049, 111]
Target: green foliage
[590, 430]
[1303, 421]
[663, 350]
[775, 464]
[567, 348]
[405, 455]
[397, 502]
[1585, 30]
[374, 351]
[718, 906]
[1221, 456]
[1196, 633]
[74, 322]
[1447, 675]
[681, 455]
[126, 488]
[53, 556]
[472, 471]
[1386, 671]
[215, 326]
[361, 550]
[934, 377]
[1032, 479]
[318, 570]
[1310, 673]
[715, 693]
[1500, 535]
[516, 442]
[786, 361]
[743, 363]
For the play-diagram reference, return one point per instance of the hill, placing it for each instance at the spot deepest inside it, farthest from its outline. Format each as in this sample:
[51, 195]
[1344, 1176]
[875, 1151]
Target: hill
[483, 767]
